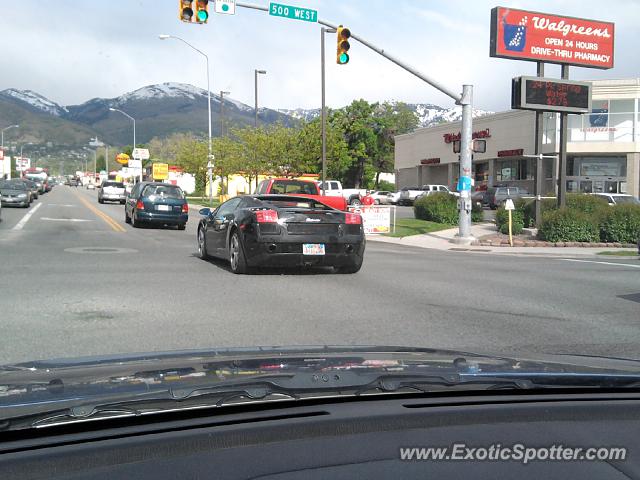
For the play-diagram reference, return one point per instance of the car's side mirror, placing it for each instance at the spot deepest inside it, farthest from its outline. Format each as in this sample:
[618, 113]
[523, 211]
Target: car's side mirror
[205, 212]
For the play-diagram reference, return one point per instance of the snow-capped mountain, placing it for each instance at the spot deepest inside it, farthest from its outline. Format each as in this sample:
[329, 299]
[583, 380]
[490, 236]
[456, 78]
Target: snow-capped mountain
[428, 114]
[35, 100]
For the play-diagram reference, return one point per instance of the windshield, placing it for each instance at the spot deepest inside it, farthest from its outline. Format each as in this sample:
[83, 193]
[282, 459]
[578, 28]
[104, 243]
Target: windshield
[113, 184]
[630, 200]
[184, 153]
[162, 191]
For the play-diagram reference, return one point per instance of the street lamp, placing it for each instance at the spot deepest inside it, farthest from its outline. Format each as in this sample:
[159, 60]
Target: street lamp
[165, 37]
[222, 94]
[7, 128]
[134, 131]
[323, 31]
[256, 72]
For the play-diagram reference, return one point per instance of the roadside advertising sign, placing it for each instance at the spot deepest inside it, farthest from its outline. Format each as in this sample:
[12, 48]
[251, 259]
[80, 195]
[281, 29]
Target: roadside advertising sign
[535, 36]
[137, 164]
[160, 171]
[140, 153]
[375, 218]
[23, 164]
[122, 158]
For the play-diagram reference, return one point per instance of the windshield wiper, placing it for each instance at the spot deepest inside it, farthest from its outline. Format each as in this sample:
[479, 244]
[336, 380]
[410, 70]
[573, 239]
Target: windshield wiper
[296, 386]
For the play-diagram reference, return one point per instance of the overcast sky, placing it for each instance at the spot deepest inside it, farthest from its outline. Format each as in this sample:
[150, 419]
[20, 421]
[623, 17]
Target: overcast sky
[74, 50]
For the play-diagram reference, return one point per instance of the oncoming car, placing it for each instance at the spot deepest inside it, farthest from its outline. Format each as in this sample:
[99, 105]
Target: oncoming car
[281, 231]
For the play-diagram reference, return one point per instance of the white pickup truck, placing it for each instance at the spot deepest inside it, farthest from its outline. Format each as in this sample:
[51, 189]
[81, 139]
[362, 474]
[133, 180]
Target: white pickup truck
[353, 196]
[408, 195]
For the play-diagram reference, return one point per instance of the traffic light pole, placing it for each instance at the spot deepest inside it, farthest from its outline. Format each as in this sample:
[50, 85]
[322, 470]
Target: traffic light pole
[324, 30]
[464, 99]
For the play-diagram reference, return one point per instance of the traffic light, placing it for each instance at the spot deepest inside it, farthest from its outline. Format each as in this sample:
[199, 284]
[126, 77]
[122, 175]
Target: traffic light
[185, 10]
[187, 14]
[202, 11]
[343, 34]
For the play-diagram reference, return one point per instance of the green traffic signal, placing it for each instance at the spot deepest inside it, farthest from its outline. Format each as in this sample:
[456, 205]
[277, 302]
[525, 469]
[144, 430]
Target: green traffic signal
[343, 58]
[202, 15]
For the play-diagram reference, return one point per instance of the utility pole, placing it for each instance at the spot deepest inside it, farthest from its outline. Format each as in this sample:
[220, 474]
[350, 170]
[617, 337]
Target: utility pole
[562, 154]
[222, 94]
[256, 72]
[538, 151]
[324, 30]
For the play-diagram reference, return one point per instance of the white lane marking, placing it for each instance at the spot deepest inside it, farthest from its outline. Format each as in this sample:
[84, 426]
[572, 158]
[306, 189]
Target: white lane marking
[601, 263]
[25, 219]
[60, 205]
[65, 219]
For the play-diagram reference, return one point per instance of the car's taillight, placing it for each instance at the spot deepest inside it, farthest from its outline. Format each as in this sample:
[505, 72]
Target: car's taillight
[140, 205]
[266, 216]
[185, 208]
[353, 219]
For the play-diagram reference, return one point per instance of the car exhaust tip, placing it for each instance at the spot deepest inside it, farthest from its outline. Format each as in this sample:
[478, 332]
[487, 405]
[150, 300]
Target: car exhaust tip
[272, 248]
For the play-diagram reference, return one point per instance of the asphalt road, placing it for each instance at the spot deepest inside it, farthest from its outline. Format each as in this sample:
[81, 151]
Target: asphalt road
[76, 280]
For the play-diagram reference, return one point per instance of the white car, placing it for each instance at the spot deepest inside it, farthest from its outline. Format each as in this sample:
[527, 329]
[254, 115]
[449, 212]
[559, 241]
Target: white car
[91, 186]
[618, 198]
[381, 197]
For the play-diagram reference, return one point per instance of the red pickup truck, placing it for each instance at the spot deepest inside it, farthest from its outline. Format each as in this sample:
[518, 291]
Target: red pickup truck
[305, 188]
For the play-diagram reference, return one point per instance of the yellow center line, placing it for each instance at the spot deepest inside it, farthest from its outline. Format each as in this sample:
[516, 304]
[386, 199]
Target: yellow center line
[108, 220]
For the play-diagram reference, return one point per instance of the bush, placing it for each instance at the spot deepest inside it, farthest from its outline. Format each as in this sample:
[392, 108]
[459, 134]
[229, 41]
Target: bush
[589, 204]
[568, 225]
[529, 209]
[385, 186]
[517, 220]
[477, 214]
[437, 207]
[620, 223]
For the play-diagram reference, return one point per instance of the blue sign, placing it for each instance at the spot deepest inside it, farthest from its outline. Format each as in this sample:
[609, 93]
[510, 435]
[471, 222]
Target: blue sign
[464, 184]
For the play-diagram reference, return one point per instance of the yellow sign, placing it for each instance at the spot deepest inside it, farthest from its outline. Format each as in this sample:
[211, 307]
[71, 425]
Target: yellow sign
[160, 171]
[122, 158]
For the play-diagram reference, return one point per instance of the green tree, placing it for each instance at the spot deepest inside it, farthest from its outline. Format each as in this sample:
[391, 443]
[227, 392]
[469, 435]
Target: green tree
[361, 135]
[309, 149]
[193, 157]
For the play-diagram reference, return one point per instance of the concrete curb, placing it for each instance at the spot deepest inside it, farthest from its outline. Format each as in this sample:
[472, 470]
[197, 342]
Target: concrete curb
[431, 242]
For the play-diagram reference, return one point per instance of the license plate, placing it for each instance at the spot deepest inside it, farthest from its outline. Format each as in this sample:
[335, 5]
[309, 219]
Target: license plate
[163, 208]
[313, 248]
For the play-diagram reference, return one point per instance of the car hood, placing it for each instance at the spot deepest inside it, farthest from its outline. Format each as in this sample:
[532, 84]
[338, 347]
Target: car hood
[11, 191]
[83, 378]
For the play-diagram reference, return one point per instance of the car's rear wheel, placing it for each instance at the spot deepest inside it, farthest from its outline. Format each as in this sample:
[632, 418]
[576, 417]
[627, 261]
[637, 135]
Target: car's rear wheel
[100, 200]
[182, 226]
[355, 202]
[135, 223]
[350, 268]
[127, 218]
[377, 202]
[202, 245]
[236, 255]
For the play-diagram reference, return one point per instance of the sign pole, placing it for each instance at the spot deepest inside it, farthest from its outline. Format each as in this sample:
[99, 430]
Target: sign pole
[562, 157]
[538, 151]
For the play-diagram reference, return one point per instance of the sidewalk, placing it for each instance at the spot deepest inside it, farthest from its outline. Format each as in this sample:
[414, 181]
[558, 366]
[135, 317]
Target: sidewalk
[442, 241]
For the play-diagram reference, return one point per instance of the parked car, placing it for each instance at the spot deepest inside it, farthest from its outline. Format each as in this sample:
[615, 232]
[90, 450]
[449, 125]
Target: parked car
[156, 203]
[292, 186]
[408, 195]
[495, 196]
[280, 231]
[381, 197]
[14, 193]
[33, 187]
[112, 192]
[618, 198]
[477, 196]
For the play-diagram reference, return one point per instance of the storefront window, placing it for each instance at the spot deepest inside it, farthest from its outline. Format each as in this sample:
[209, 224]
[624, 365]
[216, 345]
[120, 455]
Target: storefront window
[596, 166]
[547, 168]
[481, 173]
[621, 114]
[507, 170]
[572, 186]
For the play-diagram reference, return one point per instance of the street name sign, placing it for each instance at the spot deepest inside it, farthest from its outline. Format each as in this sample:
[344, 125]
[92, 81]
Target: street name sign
[225, 6]
[295, 13]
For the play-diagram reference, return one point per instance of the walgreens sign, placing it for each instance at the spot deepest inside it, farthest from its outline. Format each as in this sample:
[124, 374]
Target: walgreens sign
[535, 36]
